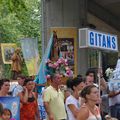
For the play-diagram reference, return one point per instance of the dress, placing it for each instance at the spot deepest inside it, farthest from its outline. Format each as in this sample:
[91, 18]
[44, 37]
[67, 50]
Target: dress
[28, 110]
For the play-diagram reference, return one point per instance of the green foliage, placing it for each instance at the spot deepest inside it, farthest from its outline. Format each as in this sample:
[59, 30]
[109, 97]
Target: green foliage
[19, 19]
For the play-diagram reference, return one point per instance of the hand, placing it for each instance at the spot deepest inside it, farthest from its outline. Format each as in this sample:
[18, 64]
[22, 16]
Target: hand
[25, 89]
[51, 117]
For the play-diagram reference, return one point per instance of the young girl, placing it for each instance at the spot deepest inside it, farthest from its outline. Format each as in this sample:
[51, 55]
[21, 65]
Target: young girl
[6, 114]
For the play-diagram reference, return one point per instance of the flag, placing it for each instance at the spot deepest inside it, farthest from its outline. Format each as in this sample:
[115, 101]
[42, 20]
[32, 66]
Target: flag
[41, 77]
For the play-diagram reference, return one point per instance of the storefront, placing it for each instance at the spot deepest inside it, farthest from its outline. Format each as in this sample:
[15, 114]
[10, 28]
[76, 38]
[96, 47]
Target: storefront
[60, 14]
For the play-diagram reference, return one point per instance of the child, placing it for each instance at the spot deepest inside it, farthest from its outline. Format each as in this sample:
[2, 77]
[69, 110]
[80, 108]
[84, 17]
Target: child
[1, 110]
[6, 114]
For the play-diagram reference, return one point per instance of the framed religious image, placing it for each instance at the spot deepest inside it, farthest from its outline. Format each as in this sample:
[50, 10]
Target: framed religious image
[7, 51]
[67, 45]
[66, 50]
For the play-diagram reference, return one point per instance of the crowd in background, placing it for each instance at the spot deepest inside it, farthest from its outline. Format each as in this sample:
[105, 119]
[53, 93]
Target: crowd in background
[79, 99]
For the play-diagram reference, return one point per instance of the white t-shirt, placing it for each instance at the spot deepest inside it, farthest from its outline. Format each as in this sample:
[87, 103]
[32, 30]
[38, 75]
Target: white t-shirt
[74, 101]
[17, 89]
[114, 86]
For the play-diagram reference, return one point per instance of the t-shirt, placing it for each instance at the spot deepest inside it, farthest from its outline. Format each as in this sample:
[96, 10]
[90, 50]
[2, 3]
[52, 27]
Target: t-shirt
[74, 101]
[17, 89]
[56, 102]
[114, 85]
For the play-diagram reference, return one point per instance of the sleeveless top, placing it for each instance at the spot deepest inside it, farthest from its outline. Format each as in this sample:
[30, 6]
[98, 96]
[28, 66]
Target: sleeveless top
[93, 116]
[28, 110]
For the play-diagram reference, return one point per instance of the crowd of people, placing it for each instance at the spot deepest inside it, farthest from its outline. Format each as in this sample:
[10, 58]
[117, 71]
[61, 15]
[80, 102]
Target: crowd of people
[78, 99]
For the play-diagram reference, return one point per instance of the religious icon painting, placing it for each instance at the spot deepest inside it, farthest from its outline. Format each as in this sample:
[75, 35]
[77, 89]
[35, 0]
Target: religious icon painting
[7, 50]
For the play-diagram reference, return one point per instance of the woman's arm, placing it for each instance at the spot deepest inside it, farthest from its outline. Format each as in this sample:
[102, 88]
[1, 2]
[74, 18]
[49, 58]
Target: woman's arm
[73, 109]
[37, 109]
[23, 96]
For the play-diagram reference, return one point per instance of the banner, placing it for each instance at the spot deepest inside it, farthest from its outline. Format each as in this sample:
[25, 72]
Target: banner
[30, 54]
[13, 104]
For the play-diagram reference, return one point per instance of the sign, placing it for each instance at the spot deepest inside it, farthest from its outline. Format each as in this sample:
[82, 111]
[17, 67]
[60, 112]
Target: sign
[13, 104]
[98, 40]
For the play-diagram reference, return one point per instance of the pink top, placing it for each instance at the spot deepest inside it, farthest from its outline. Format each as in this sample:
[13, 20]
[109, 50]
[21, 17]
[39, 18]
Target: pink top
[91, 115]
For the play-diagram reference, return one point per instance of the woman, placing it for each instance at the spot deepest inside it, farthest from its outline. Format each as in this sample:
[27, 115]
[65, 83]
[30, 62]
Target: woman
[4, 87]
[89, 110]
[29, 108]
[72, 102]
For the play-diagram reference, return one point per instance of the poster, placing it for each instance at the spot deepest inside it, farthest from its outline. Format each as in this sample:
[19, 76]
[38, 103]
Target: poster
[66, 50]
[67, 43]
[13, 104]
[7, 51]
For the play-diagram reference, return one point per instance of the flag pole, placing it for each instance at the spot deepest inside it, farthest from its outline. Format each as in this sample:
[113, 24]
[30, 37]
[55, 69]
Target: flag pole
[99, 69]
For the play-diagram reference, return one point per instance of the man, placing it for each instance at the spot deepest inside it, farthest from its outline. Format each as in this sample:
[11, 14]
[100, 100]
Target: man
[19, 87]
[90, 79]
[16, 63]
[4, 87]
[54, 100]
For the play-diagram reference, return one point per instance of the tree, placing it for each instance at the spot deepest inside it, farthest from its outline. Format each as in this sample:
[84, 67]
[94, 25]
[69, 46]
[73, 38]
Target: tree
[19, 19]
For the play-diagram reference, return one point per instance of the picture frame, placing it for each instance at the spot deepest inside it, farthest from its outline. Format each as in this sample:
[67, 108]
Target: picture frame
[68, 35]
[7, 50]
[66, 50]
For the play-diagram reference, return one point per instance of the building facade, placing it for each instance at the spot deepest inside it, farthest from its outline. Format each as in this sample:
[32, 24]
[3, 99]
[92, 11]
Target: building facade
[81, 14]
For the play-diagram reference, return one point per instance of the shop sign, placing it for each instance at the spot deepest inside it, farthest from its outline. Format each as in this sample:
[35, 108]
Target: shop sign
[98, 40]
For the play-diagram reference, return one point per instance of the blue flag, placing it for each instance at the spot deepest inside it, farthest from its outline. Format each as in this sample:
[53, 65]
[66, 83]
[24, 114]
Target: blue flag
[41, 77]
